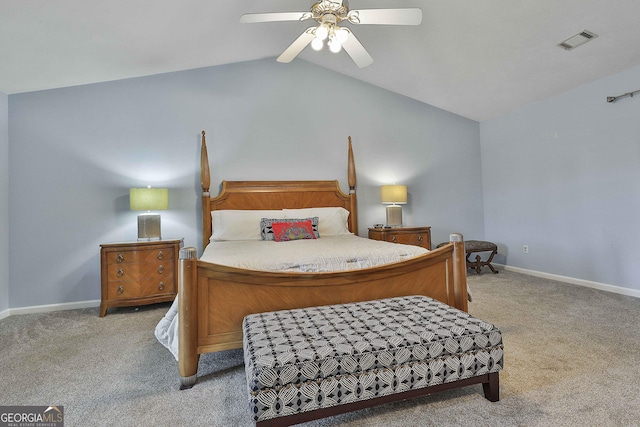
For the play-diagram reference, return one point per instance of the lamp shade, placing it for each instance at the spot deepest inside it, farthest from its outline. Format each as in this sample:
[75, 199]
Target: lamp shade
[393, 194]
[148, 199]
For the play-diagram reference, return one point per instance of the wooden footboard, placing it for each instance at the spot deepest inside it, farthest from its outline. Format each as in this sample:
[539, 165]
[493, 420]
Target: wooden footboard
[213, 299]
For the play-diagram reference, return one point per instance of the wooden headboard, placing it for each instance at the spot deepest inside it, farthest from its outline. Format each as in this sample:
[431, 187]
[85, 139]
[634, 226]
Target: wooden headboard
[275, 194]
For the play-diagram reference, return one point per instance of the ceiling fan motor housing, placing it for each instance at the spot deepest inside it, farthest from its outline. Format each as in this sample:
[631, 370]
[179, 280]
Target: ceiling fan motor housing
[324, 9]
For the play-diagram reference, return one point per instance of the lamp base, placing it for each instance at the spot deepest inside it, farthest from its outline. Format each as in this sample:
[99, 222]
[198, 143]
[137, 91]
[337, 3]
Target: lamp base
[149, 226]
[394, 215]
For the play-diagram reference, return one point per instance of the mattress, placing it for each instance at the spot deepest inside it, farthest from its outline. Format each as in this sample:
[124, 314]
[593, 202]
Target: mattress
[327, 254]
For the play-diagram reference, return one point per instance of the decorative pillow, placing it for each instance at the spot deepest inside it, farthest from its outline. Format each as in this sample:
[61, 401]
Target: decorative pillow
[289, 229]
[332, 220]
[292, 230]
[232, 224]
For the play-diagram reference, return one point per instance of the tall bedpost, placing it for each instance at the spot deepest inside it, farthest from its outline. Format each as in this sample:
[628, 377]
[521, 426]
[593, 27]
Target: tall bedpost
[205, 182]
[353, 218]
[187, 317]
[459, 272]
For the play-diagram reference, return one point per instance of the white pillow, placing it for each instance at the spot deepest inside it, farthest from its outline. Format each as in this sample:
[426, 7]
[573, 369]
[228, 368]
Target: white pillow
[230, 224]
[332, 221]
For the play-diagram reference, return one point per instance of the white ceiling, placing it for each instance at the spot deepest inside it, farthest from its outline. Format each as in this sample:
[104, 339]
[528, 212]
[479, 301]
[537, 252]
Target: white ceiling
[476, 58]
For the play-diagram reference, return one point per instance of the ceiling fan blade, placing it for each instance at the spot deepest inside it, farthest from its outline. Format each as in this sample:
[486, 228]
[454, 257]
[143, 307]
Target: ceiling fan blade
[250, 18]
[356, 51]
[407, 16]
[297, 46]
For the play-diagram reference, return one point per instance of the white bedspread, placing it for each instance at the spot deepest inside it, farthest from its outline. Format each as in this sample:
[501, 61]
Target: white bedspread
[327, 254]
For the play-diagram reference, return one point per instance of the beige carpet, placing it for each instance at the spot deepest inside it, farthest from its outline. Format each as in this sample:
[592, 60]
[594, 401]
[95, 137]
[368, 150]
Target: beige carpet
[572, 358]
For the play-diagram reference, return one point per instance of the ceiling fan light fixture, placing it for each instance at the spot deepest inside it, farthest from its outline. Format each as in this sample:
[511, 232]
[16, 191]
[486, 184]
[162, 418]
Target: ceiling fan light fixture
[334, 45]
[322, 32]
[316, 44]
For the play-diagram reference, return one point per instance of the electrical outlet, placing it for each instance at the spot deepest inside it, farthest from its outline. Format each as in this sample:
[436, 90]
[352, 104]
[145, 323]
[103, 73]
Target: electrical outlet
[525, 249]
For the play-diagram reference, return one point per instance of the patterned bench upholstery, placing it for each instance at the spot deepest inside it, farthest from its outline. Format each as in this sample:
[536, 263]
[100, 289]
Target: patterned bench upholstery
[309, 363]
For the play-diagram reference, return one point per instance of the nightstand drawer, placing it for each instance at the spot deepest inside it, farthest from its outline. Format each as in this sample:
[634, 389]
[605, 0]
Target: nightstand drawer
[155, 287]
[123, 289]
[143, 288]
[416, 239]
[416, 236]
[139, 271]
[136, 257]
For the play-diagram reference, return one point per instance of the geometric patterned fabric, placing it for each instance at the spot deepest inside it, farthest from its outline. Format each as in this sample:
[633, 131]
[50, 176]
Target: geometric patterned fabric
[311, 358]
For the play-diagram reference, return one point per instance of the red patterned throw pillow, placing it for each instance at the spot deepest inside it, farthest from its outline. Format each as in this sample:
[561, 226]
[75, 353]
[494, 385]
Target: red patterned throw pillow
[286, 230]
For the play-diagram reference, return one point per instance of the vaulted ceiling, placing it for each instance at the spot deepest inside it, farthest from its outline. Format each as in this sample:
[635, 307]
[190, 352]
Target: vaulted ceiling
[475, 58]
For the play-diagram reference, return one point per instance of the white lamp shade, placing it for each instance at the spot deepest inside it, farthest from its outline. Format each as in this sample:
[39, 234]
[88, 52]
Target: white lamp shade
[393, 194]
[148, 199]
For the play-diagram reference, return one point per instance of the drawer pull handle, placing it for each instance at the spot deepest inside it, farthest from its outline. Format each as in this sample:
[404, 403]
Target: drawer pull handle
[161, 286]
[160, 255]
[394, 239]
[120, 290]
[160, 269]
[120, 272]
[420, 238]
[120, 258]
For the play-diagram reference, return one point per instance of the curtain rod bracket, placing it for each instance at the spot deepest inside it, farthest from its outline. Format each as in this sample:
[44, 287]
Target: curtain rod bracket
[615, 98]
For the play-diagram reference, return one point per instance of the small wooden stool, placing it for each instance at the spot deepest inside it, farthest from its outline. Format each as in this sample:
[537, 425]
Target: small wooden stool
[471, 246]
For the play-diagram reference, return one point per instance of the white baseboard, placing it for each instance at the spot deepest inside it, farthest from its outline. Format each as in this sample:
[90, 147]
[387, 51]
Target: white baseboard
[574, 281]
[49, 307]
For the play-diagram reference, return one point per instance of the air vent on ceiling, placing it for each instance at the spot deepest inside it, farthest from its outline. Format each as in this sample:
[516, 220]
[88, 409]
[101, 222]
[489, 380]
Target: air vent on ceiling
[577, 40]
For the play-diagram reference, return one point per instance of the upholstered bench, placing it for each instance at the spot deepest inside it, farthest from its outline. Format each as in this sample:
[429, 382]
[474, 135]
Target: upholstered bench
[473, 246]
[310, 363]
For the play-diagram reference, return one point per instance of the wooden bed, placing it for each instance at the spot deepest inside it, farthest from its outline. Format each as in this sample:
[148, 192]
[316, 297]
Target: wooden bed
[213, 299]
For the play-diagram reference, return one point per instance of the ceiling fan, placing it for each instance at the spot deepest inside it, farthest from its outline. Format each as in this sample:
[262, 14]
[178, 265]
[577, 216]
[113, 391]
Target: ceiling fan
[329, 14]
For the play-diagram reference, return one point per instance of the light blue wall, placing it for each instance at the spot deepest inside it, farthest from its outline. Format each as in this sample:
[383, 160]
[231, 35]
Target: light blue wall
[4, 203]
[563, 176]
[76, 151]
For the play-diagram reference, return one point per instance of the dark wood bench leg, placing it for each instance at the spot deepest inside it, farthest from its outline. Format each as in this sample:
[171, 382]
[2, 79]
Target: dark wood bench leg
[492, 388]
[469, 263]
[488, 262]
[478, 263]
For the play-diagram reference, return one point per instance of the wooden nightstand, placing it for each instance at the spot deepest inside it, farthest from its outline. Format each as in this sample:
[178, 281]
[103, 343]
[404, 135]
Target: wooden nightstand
[138, 273]
[417, 236]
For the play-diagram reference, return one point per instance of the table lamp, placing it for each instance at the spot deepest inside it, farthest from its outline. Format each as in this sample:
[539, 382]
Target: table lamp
[393, 196]
[148, 199]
